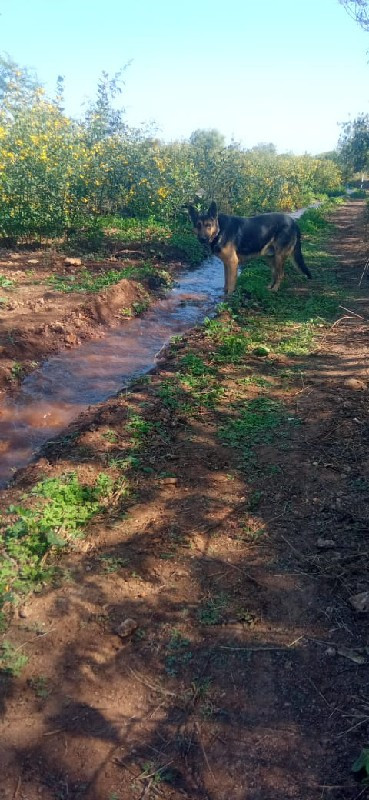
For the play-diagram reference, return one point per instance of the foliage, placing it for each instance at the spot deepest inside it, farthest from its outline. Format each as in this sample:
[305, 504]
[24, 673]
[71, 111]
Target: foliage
[57, 175]
[64, 508]
[361, 766]
[354, 144]
[12, 660]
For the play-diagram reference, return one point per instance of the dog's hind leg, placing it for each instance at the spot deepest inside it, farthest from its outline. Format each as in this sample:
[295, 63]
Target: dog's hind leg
[271, 263]
[278, 271]
[298, 258]
[230, 260]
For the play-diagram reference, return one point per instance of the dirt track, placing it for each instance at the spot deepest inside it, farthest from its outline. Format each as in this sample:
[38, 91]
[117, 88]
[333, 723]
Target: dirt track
[246, 677]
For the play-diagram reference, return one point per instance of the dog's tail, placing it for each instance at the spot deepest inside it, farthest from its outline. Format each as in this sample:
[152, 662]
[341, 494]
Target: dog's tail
[298, 257]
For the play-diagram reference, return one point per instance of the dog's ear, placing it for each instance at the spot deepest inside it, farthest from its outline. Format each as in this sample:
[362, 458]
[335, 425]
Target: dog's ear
[194, 215]
[213, 211]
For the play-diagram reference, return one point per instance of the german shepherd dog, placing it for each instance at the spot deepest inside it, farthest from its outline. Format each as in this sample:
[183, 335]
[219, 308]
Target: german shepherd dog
[274, 236]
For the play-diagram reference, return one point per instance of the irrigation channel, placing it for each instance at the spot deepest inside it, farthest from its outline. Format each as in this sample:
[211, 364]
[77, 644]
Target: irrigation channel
[67, 383]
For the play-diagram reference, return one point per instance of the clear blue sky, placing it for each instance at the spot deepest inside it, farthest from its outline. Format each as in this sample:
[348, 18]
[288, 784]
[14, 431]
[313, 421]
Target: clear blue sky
[285, 71]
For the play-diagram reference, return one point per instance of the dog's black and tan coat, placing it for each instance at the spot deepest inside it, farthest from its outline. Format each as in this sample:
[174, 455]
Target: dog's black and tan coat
[273, 236]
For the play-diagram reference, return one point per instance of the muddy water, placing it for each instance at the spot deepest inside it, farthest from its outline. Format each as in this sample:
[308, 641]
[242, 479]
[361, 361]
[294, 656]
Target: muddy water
[66, 384]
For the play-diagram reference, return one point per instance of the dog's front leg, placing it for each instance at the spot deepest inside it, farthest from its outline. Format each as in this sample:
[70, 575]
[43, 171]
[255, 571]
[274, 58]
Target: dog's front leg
[230, 261]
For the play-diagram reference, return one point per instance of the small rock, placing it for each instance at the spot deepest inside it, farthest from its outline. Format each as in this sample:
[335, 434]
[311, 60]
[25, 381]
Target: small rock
[325, 544]
[23, 612]
[73, 262]
[355, 384]
[125, 628]
[331, 651]
[360, 602]
[169, 481]
[32, 260]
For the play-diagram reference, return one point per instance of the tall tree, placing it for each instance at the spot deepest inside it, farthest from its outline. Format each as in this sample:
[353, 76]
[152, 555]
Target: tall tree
[102, 118]
[353, 145]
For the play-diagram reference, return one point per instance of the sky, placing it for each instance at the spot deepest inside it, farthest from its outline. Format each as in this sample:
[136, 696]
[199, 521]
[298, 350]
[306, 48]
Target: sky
[281, 71]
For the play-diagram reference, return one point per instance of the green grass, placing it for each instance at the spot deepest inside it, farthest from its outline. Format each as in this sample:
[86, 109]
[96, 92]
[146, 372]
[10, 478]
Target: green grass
[211, 612]
[16, 370]
[87, 281]
[178, 654]
[62, 509]
[12, 660]
[188, 245]
[132, 229]
[6, 283]
[254, 423]
[112, 563]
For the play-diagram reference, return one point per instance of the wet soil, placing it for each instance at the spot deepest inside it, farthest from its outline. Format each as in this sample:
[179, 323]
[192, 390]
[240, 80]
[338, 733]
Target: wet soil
[245, 674]
[37, 319]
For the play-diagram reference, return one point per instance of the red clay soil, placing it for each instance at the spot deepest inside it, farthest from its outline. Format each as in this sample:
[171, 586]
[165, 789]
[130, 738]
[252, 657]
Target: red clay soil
[246, 677]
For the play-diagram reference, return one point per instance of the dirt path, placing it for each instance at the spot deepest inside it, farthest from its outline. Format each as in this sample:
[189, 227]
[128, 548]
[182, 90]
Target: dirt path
[244, 671]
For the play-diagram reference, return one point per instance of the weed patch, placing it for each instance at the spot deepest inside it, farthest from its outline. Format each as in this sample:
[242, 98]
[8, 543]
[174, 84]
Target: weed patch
[12, 660]
[64, 509]
[256, 424]
[178, 654]
[211, 612]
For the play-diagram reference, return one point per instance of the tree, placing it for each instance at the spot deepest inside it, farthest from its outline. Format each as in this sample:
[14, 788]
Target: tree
[266, 148]
[354, 145]
[102, 119]
[207, 139]
[18, 87]
[358, 10]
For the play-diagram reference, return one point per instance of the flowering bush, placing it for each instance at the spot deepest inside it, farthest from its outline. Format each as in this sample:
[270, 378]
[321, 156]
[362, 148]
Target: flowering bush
[56, 173]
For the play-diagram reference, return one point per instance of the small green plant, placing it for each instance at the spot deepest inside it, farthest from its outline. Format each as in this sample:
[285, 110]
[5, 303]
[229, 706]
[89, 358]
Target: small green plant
[257, 423]
[3, 622]
[210, 613]
[189, 246]
[140, 306]
[254, 500]
[17, 369]
[40, 686]
[111, 436]
[169, 393]
[12, 660]
[361, 766]
[6, 283]
[64, 508]
[111, 563]
[177, 653]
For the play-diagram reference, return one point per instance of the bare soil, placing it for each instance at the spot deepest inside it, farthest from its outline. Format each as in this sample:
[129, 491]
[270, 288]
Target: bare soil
[245, 674]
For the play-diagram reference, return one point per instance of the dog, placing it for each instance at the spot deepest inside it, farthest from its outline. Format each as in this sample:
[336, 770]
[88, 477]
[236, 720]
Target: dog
[274, 236]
